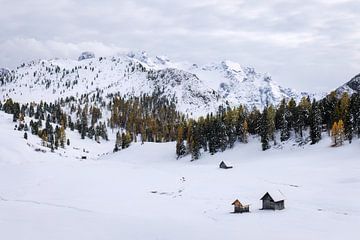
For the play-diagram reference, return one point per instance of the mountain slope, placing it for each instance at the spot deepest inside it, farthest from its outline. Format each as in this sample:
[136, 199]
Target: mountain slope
[352, 86]
[196, 89]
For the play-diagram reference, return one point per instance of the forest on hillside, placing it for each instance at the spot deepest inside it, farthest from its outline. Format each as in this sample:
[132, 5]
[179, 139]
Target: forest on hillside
[151, 118]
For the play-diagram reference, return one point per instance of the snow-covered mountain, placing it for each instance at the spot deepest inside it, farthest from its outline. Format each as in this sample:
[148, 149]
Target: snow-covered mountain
[196, 89]
[352, 86]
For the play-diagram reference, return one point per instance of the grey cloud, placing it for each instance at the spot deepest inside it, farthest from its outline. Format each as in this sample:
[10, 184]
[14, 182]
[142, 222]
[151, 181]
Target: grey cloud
[301, 43]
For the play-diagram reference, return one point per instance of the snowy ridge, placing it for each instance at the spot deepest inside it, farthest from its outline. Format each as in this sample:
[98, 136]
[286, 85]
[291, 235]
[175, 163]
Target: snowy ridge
[197, 90]
[352, 86]
[86, 55]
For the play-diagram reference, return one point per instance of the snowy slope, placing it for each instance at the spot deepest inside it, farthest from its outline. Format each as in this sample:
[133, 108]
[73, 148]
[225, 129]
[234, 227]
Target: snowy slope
[143, 192]
[352, 86]
[196, 89]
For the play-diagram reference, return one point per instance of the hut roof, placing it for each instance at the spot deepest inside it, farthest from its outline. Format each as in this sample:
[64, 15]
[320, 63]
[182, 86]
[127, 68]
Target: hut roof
[237, 202]
[274, 196]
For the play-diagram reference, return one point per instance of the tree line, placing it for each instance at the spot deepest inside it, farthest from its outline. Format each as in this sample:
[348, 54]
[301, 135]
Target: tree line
[151, 118]
[338, 116]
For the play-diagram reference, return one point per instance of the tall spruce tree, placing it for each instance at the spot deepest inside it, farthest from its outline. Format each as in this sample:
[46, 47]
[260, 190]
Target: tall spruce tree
[354, 109]
[230, 126]
[315, 123]
[264, 130]
[271, 112]
[282, 116]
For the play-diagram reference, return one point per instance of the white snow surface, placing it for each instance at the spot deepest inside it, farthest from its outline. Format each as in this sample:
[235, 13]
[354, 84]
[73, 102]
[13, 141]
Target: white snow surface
[197, 89]
[143, 192]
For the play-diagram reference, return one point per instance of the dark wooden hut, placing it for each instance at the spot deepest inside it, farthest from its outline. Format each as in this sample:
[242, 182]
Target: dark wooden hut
[224, 166]
[239, 207]
[269, 202]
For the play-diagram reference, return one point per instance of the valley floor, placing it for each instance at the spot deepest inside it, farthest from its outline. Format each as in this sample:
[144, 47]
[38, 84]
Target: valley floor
[143, 192]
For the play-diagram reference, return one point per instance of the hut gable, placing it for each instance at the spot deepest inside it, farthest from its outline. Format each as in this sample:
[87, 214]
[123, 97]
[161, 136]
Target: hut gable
[267, 196]
[239, 207]
[224, 166]
[237, 203]
[274, 201]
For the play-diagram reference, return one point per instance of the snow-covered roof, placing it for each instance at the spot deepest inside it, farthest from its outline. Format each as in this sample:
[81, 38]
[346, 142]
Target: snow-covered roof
[276, 195]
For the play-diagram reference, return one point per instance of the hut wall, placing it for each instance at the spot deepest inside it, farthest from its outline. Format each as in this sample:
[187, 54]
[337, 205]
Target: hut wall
[237, 209]
[268, 204]
[241, 209]
[279, 205]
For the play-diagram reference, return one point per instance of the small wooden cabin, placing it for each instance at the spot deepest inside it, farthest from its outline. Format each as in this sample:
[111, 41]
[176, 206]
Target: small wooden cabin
[224, 166]
[239, 208]
[269, 202]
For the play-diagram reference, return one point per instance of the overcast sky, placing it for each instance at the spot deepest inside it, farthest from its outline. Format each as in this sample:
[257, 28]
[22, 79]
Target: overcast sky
[303, 44]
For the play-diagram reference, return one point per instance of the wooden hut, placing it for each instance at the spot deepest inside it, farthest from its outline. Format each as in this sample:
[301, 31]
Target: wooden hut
[224, 166]
[273, 203]
[239, 208]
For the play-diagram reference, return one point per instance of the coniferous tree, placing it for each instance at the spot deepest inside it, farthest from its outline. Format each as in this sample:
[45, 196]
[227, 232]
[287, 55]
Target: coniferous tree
[44, 137]
[126, 140]
[282, 116]
[118, 142]
[194, 142]
[348, 129]
[254, 121]
[354, 111]
[344, 109]
[328, 111]
[264, 130]
[62, 137]
[337, 133]
[292, 114]
[230, 127]
[212, 136]
[315, 123]
[84, 122]
[203, 133]
[241, 124]
[180, 146]
[271, 123]
[244, 132]
[16, 111]
[303, 115]
[222, 140]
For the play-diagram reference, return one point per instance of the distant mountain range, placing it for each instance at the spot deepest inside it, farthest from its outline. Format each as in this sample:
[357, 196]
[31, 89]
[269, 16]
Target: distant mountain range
[196, 89]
